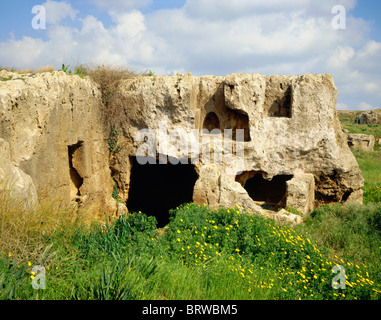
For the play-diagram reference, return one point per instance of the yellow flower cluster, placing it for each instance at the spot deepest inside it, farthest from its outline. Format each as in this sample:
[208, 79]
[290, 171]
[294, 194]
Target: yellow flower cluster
[303, 269]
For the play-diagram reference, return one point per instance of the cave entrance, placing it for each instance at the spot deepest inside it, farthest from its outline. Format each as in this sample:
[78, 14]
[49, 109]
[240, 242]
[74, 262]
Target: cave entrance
[157, 188]
[268, 194]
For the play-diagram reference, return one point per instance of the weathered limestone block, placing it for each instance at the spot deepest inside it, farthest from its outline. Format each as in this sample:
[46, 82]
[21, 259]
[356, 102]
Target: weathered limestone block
[215, 189]
[55, 129]
[361, 141]
[290, 125]
[14, 181]
[301, 193]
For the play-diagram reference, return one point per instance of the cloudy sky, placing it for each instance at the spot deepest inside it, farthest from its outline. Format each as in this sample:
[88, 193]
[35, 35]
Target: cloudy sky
[205, 37]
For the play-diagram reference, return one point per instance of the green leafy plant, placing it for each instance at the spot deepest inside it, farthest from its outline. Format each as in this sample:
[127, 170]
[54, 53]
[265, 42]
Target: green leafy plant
[372, 193]
[80, 71]
[293, 210]
[114, 284]
[113, 140]
[115, 191]
[64, 68]
[12, 278]
[6, 79]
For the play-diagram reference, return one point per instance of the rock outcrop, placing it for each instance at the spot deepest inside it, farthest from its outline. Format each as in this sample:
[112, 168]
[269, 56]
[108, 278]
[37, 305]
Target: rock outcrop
[14, 181]
[361, 141]
[258, 142]
[53, 136]
[369, 117]
[290, 129]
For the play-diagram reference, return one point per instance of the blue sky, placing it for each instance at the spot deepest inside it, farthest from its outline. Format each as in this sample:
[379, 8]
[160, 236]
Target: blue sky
[204, 37]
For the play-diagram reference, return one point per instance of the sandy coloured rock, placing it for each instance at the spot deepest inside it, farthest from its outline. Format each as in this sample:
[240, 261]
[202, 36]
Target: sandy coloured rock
[54, 127]
[361, 141]
[293, 151]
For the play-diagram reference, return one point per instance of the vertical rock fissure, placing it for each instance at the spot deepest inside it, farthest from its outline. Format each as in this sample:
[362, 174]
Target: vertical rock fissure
[76, 179]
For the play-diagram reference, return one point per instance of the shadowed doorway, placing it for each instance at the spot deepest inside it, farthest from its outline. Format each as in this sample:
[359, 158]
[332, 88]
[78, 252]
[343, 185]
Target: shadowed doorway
[157, 188]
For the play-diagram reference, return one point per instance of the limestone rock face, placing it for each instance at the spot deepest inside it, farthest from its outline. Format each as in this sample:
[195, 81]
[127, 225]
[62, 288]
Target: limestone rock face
[54, 129]
[289, 126]
[369, 117]
[13, 180]
[301, 193]
[361, 141]
[259, 142]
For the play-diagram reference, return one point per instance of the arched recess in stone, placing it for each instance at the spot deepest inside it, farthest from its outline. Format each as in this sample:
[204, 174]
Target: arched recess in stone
[211, 122]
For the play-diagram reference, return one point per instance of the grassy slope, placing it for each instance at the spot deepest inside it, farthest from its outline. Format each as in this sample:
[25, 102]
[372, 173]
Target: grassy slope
[347, 119]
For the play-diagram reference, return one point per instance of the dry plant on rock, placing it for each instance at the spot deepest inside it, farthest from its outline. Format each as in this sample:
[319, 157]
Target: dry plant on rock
[108, 78]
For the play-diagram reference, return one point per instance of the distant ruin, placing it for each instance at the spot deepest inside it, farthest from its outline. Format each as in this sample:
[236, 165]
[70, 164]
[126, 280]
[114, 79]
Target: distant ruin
[369, 117]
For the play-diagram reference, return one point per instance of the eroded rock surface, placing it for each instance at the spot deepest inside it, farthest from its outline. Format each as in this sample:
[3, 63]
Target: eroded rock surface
[55, 130]
[293, 151]
[369, 117]
[361, 141]
[290, 129]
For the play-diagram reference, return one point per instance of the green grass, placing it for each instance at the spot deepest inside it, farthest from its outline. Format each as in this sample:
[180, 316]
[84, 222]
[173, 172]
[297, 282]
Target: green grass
[370, 165]
[202, 254]
[347, 119]
[369, 162]
[205, 254]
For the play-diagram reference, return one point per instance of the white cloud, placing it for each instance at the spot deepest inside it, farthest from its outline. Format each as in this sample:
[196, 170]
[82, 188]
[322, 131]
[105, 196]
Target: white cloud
[22, 53]
[229, 10]
[129, 24]
[363, 106]
[341, 57]
[58, 11]
[121, 5]
[214, 37]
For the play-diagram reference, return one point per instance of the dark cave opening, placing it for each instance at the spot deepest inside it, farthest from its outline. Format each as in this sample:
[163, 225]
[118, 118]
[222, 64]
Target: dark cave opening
[269, 194]
[157, 188]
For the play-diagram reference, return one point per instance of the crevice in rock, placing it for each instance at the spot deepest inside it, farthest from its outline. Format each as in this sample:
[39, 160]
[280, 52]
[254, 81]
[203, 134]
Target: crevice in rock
[220, 116]
[76, 181]
[328, 189]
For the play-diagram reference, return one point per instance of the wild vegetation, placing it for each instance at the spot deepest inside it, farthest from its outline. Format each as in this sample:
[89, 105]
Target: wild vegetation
[201, 254]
